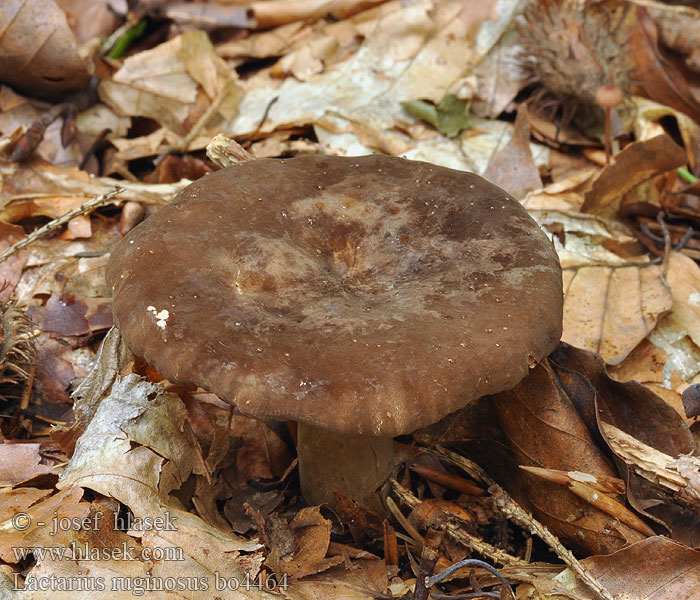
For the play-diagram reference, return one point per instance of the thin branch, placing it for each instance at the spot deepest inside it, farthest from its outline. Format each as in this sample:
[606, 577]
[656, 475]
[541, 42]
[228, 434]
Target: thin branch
[518, 515]
[51, 226]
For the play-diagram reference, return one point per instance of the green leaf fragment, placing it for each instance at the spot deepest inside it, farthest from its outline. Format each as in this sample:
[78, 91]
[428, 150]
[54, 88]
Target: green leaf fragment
[449, 117]
[686, 175]
[126, 41]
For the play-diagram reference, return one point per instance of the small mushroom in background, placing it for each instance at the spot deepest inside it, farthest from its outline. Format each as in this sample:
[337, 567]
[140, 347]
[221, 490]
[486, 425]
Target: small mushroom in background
[362, 297]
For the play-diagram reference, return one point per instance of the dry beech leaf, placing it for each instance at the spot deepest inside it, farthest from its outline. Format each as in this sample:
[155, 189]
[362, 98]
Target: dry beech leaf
[11, 269]
[355, 106]
[90, 19]
[145, 446]
[661, 80]
[137, 448]
[38, 53]
[648, 115]
[61, 182]
[647, 364]
[21, 462]
[367, 580]
[637, 163]
[684, 278]
[313, 533]
[677, 335]
[654, 569]
[265, 44]
[277, 12]
[162, 83]
[610, 303]
[609, 310]
[551, 420]
[513, 168]
[544, 429]
[637, 411]
[39, 509]
[678, 29]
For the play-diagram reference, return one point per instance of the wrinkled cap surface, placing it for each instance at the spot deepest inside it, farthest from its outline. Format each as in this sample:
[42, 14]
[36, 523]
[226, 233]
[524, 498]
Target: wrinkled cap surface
[369, 295]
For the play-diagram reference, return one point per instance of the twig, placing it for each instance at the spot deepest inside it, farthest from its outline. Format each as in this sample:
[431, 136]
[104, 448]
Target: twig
[520, 516]
[458, 534]
[84, 208]
[667, 239]
[398, 515]
[685, 239]
[469, 562]
[68, 109]
[428, 558]
[99, 141]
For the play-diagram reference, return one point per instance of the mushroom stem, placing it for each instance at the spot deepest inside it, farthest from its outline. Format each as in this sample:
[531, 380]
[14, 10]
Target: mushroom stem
[354, 465]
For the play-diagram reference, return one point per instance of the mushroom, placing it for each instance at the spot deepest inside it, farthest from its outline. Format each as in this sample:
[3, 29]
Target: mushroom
[362, 297]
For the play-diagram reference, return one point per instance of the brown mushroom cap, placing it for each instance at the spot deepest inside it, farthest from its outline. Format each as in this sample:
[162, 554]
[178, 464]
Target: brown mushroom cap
[369, 295]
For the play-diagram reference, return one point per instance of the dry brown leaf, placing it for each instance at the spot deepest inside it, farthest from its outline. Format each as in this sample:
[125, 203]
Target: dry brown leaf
[611, 303]
[647, 117]
[562, 195]
[27, 519]
[274, 42]
[20, 463]
[69, 316]
[645, 364]
[609, 310]
[613, 299]
[313, 533]
[684, 278]
[637, 163]
[89, 19]
[38, 53]
[544, 428]
[365, 581]
[661, 80]
[653, 569]
[436, 513]
[678, 29]
[162, 83]
[46, 181]
[638, 412]
[10, 269]
[277, 12]
[513, 167]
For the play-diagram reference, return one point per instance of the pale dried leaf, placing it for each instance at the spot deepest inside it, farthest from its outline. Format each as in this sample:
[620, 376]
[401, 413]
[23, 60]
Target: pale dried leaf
[611, 303]
[38, 53]
[412, 52]
[683, 356]
[269, 13]
[49, 181]
[162, 83]
[638, 162]
[21, 462]
[609, 310]
[26, 519]
[684, 279]
[135, 449]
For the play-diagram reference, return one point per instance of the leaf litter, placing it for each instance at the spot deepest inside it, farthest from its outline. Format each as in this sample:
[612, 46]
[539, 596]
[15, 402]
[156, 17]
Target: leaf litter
[89, 431]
